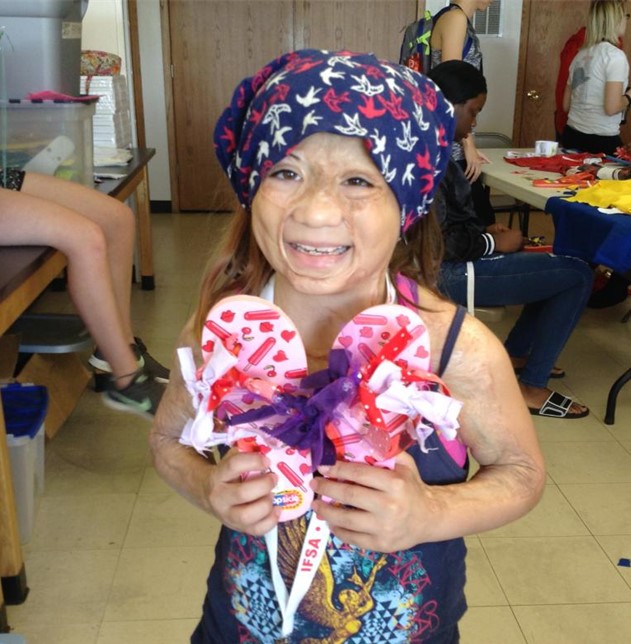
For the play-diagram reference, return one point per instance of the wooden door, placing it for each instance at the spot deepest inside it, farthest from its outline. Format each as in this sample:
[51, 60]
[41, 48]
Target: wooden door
[210, 45]
[546, 25]
[213, 45]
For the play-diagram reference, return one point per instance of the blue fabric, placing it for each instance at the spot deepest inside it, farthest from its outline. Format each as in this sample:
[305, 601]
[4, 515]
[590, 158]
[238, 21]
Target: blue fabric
[553, 289]
[405, 121]
[582, 231]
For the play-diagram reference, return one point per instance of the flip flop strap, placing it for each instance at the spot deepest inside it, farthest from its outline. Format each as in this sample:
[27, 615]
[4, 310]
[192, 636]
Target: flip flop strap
[557, 405]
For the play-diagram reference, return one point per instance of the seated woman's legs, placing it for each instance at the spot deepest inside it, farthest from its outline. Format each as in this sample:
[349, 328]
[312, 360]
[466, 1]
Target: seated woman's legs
[554, 291]
[115, 220]
[29, 219]
[117, 224]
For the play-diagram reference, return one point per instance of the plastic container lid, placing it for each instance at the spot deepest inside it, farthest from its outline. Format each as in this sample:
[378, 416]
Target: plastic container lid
[25, 408]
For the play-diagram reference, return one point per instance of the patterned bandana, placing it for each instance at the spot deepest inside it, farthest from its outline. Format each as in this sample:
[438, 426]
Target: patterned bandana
[404, 119]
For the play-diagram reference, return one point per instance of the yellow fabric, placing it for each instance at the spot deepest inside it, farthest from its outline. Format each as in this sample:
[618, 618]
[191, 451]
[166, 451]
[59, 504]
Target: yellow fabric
[606, 193]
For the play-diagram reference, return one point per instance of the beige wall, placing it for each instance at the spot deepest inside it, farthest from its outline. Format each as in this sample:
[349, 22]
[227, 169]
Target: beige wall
[103, 27]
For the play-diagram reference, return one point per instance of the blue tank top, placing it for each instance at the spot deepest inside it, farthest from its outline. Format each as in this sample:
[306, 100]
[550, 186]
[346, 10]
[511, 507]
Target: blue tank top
[357, 595]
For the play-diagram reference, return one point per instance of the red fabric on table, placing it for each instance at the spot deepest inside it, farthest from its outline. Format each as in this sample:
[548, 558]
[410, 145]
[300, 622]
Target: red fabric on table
[559, 163]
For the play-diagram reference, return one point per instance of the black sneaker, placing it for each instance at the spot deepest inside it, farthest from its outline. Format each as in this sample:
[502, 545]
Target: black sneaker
[151, 366]
[98, 361]
[141, 396]
[146, 362]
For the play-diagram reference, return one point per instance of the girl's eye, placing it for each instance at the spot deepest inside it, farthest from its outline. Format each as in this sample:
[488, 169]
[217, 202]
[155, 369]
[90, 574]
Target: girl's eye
[360, 182]
[284, 174]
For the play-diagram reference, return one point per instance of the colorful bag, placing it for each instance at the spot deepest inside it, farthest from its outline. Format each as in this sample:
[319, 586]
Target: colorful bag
[416, 51]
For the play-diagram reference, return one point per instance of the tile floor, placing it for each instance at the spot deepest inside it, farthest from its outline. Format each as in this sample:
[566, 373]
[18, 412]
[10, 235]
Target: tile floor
[117, 557]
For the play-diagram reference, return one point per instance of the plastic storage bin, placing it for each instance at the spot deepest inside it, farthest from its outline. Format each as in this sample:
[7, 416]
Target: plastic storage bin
[13, 638]
[49, 137]
[24, 409]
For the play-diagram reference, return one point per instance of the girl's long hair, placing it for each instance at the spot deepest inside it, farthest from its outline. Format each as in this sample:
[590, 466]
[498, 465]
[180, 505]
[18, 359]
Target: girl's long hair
[239, 266]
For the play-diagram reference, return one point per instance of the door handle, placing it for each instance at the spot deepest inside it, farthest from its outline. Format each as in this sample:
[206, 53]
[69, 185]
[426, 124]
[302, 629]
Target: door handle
[533, 95]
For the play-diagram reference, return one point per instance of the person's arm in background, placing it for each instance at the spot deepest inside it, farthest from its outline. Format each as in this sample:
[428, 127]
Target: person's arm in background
[474, 158]
[449, 35]
[616, 100]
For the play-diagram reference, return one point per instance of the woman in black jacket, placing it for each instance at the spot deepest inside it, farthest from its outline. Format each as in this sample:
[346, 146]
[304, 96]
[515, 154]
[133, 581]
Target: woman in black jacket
[553, 289]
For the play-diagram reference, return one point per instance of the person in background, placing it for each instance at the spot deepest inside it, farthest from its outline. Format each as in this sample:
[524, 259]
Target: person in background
[597, 96]
[454, 38]
[569, 51]
[553, 289]
[318, 234]
[96, 233]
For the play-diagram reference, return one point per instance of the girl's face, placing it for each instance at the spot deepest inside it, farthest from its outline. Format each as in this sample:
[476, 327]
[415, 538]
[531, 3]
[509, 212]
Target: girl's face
[325, 218]
[466, 115]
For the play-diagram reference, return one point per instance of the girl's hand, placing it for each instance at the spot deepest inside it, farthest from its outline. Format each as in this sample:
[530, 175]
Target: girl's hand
[243, 505]
[375, 508]
[475, 159]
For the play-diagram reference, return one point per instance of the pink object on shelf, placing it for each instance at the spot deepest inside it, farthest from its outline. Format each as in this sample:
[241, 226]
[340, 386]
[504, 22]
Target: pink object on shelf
[48, 95]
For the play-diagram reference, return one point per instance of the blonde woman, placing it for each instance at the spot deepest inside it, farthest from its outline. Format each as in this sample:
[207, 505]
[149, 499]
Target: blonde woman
[596, 95]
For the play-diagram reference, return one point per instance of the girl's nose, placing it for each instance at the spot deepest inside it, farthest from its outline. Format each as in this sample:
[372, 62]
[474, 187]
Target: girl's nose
[319, 207]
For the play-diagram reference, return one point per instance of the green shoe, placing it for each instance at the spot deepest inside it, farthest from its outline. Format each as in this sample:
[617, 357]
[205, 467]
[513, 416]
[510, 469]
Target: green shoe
[141, 396]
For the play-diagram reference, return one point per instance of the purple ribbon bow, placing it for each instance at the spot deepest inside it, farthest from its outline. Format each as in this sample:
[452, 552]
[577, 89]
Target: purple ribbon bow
[308, 416]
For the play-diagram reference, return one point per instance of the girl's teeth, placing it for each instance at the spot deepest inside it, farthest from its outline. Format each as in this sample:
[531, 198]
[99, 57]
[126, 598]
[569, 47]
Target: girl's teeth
[311, 250]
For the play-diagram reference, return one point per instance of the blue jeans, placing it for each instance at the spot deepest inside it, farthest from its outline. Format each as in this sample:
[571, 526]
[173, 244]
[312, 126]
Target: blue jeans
[553, 290]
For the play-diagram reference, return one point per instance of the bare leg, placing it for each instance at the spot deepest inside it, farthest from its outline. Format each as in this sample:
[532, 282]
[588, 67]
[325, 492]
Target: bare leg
[116, 221]
[27, 219]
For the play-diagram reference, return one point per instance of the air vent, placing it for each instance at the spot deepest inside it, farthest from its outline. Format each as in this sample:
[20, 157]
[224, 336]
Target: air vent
[489, 21]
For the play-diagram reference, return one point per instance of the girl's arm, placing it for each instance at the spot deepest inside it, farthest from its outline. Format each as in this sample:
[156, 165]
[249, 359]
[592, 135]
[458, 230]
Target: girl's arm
[216, 488]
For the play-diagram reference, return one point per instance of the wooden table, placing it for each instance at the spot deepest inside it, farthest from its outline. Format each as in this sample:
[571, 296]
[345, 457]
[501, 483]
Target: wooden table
[25, 271]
